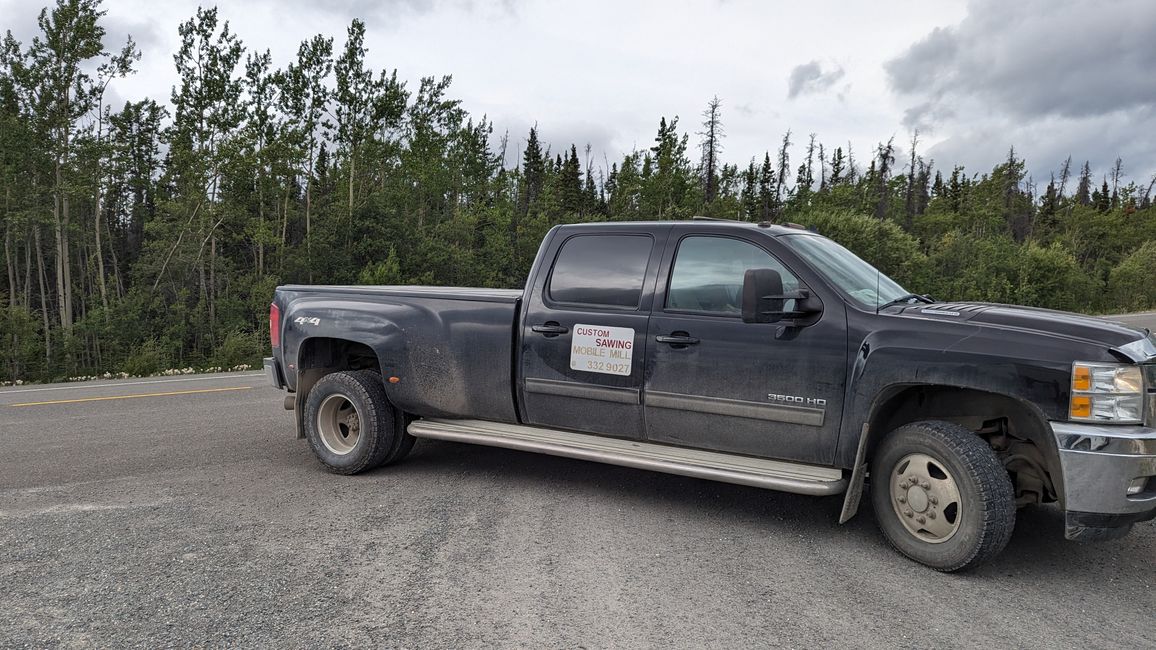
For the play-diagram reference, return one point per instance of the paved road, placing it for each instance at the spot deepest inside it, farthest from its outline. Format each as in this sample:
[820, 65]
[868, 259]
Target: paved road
[1142, 319]
[195, 519]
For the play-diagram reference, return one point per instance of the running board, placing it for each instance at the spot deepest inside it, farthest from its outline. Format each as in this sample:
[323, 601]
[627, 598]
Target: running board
[743, 470]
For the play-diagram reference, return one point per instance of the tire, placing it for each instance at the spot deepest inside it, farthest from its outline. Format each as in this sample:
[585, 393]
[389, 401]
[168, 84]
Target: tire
[350, 424]
[960, 510]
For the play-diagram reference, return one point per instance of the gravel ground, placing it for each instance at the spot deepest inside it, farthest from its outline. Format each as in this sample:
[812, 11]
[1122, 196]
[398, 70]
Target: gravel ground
[195, 519]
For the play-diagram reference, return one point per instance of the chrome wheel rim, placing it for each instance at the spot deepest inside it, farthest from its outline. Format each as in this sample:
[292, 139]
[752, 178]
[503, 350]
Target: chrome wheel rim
[926, 498]
[339, 423]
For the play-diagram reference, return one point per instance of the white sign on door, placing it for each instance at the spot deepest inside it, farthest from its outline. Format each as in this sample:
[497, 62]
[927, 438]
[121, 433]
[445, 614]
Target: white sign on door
[600, 348]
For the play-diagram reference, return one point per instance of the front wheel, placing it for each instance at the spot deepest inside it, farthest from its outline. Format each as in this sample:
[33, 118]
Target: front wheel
[941, 495]
[350, 424]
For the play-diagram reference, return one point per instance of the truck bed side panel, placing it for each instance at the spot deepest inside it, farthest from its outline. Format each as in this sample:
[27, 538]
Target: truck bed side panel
[451, 354]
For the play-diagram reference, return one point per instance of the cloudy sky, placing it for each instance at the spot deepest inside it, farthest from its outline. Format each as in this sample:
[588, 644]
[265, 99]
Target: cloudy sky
[1051, 77]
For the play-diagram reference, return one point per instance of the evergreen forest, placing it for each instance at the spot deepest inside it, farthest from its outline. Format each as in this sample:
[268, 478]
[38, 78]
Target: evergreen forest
[150, 235]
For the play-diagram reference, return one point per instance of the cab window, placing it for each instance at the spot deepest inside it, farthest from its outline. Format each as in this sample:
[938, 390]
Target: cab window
[601, 271]
[708, 275]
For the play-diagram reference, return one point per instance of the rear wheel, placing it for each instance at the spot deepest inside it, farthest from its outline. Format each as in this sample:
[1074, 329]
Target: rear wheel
[350, 424]
[941, 495]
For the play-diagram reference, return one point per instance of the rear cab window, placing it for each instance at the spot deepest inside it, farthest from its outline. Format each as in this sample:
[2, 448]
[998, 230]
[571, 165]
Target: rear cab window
[601, 271]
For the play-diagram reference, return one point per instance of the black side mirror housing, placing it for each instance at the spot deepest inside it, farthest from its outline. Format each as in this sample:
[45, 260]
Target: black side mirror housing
[762, 296]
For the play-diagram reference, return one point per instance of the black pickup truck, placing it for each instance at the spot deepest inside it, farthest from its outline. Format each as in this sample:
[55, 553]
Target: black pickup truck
[757, 354]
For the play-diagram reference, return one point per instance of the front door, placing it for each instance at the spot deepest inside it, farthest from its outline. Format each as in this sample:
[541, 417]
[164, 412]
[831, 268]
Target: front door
[584, 332]
[715, 382]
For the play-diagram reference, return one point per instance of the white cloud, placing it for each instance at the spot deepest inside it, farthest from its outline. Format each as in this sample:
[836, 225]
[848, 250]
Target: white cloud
[812, 78]
[1053, 78]
[599, 71]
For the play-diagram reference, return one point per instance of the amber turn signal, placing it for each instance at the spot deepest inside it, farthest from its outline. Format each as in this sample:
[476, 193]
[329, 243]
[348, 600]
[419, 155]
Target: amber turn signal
[1082, 378]
[1081, 406]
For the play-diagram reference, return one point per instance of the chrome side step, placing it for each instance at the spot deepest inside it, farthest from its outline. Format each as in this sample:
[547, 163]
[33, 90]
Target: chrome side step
[757, 472]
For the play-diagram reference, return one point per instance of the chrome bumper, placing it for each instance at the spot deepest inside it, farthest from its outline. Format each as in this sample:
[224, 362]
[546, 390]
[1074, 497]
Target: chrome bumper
[273, 373]
[1109, 477]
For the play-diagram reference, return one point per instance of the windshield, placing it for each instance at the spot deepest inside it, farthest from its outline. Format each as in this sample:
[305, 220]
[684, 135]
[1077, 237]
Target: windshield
[858, 279]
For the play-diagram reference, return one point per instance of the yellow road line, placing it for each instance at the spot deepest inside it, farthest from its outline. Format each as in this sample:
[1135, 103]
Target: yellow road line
[101, 399]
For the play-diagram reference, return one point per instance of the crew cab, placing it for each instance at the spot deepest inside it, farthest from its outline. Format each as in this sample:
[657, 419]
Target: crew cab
[758, 354]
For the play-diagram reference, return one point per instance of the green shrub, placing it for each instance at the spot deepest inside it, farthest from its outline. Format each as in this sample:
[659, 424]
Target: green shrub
[1132, 283]
[387, 271]
[972, 267]
[146, 359]
[238, 348]
[1051, 277]
[21, 345]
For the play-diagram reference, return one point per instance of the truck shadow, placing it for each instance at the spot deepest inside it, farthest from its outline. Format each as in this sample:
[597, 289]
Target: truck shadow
[1037, 550]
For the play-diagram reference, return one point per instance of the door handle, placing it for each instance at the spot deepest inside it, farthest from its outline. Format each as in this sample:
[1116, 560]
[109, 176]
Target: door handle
[676, 339]
[550, 329]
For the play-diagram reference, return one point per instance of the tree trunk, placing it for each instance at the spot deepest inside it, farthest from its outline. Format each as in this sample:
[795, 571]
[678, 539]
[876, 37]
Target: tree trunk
[28, 272]
[204, 282]
[308, 225]
[261, 223]
[284, 229]
[100, 254]
[9, 260]
[43, 296]
[213, 281]
[119, 282]
[85, 280]
[201, 273]
[61, 246]
[67, 298]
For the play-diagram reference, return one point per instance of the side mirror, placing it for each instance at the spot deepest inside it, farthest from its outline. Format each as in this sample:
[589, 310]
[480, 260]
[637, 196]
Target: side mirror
[764, 299]
[762, 296]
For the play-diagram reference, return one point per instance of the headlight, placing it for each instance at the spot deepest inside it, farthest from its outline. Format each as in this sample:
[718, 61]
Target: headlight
[1107, 392]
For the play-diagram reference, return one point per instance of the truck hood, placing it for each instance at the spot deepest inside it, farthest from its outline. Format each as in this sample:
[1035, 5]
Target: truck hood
[1045, 321]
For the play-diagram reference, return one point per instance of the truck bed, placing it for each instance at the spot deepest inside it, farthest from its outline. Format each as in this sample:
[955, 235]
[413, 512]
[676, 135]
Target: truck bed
[450, 349]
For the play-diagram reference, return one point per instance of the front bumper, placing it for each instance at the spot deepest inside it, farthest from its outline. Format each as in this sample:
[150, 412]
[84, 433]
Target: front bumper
[273, 373]
[1109, 478]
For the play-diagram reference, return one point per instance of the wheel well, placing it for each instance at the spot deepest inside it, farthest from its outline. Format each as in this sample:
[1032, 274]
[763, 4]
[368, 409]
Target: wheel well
[1019, 435]
[336, 354]
[321, 356]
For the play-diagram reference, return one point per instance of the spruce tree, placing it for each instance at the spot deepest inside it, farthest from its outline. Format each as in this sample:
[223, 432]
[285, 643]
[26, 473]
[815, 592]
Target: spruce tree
[781, 177]
[1103, 198]
[533, 173]
[910, 201]
[885, 158]
[571, 183]
[712, 134]
[767, 187]
[837, 165]
[750, 192]
[1084, 186]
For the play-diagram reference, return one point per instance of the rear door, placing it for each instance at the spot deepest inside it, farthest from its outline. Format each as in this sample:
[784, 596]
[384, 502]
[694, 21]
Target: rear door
[584, 330]
[715, 382]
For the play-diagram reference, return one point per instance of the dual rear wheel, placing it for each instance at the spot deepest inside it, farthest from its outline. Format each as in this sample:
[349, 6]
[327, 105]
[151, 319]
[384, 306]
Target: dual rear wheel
[350, 424]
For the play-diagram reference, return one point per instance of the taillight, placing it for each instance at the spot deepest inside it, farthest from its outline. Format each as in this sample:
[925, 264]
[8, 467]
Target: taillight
[274, 325]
